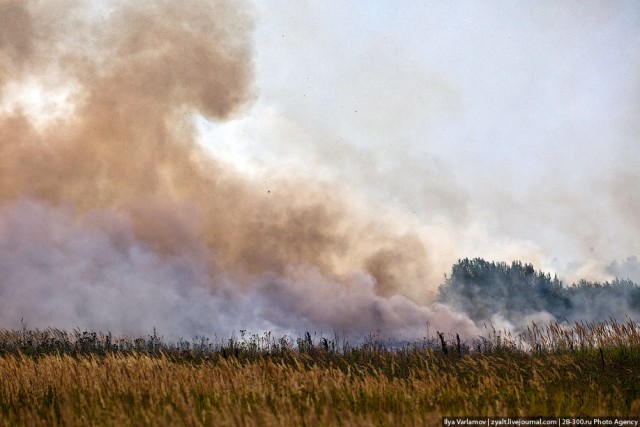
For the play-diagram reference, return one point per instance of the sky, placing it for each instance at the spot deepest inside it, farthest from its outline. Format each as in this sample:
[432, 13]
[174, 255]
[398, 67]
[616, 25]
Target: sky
[513, 125]
[213, 166]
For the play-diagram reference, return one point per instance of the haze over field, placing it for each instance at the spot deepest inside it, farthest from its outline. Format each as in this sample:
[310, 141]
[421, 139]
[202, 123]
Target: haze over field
[210, 166]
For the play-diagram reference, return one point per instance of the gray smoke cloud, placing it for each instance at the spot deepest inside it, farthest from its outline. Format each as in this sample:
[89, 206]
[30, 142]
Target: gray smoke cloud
[628, 268]
[93, 272]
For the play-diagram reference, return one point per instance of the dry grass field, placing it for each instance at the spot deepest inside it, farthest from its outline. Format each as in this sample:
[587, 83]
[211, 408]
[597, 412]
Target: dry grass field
[55, 378]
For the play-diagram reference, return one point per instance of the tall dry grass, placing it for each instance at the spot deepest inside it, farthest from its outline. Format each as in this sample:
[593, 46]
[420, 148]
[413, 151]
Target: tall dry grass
[313, 385]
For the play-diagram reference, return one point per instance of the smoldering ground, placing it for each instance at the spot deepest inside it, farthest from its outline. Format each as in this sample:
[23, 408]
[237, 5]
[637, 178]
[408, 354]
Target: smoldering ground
[114, 218]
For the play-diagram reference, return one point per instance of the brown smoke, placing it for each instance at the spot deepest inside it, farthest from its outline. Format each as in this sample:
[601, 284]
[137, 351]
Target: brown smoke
[15, 41]
[130, 147]
[138, 73]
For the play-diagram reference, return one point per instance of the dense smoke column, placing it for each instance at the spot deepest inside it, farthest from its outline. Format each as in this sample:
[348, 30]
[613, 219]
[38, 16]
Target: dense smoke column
[129, 145]
[114, 201]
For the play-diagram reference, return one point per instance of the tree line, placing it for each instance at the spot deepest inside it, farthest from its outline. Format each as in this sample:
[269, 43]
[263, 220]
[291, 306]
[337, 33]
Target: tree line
[487, 289]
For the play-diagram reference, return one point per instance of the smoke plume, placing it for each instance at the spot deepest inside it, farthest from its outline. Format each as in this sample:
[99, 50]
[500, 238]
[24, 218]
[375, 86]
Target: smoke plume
[112, 217]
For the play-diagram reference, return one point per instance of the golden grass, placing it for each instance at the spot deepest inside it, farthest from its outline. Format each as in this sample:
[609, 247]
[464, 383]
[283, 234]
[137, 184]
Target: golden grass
[144, 390]
[413, 386]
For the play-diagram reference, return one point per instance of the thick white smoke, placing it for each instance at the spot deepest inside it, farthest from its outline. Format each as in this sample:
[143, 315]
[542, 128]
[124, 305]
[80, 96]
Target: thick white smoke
[93, 273]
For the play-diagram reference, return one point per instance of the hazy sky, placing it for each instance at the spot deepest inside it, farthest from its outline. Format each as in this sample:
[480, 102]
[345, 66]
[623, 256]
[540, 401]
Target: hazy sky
[353, 152]
[512, 125]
